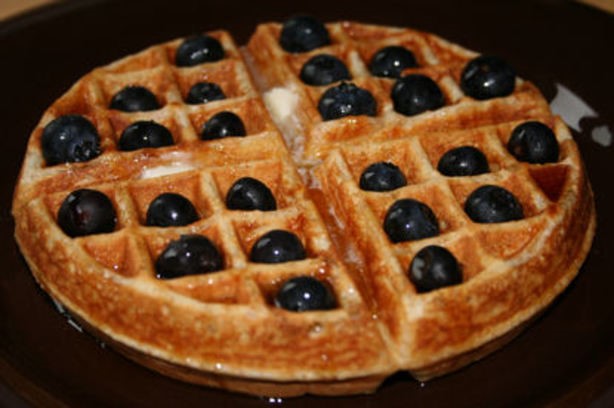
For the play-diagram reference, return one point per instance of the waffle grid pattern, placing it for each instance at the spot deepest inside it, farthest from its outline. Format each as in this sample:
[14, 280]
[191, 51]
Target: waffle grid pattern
[355, 44]
[205, 184]
[375, 329]
[154, 69]
[479, 248]
[446, 195]
[234, 231]
[131, 180]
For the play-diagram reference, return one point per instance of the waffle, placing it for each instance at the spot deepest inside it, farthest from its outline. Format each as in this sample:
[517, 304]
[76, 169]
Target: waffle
[223, 329]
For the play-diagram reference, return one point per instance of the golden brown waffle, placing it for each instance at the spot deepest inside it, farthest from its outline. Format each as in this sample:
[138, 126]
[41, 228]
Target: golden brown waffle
[510, 270]
[223, 329]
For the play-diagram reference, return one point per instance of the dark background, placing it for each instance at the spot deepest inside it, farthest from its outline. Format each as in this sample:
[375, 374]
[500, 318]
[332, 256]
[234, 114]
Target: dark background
[565, 359]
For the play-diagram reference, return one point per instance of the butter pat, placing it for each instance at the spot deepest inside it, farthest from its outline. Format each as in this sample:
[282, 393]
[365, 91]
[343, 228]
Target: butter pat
[281, 102]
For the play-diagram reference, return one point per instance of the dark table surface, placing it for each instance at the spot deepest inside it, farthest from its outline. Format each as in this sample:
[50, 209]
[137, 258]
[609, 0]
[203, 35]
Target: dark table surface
[565, 359]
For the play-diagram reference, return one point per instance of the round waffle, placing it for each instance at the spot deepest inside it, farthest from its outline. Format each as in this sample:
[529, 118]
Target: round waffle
[224, 328]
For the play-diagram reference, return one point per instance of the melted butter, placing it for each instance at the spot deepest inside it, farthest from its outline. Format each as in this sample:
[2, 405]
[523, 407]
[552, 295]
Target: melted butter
[161, 171]
[281, 101]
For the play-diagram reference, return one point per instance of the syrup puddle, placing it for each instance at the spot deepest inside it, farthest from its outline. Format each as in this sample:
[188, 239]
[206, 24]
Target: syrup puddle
[573, 109]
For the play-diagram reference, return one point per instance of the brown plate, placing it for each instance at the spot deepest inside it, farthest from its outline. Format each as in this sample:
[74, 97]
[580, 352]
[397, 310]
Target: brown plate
[565, 358]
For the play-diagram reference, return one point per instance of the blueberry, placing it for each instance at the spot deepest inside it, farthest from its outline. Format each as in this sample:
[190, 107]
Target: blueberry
[323, 69]
[534, 142]
[414, 94]
[304, 293]
[346, 99]
[277, 246]
[70, 138]
[434, 267]
[203, 92]
[382, 176]
[463, 161]
[197, 50]
[303, 33]
[487, 77]
[391, 61]
[170, 210]
[142, 134]
[223, 124]
[86, 212]
[250, 194]
[408, 220]
[191, 254]
[134, 99]
[489, 204]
